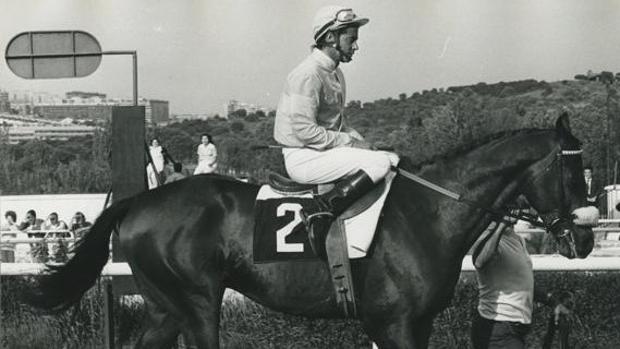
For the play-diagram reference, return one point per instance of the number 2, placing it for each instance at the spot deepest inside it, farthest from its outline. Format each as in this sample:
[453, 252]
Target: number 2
[281, 234]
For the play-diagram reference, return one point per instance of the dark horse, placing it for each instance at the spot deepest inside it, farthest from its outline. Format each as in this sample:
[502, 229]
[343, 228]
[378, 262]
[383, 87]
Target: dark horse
[188, 241]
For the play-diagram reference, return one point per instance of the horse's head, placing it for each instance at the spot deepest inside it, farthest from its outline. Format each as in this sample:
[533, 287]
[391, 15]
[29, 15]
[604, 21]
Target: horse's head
[556, 188]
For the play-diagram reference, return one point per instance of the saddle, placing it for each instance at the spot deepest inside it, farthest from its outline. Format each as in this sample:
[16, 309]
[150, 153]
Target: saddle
[336, 247]
[286, 186]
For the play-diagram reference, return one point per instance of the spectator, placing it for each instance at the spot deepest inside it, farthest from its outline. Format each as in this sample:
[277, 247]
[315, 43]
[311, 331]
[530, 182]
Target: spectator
[160, 157]
[177, 175]
[155, 170]
[79, 221]
[10, 218]
[506, 290]
[151, 177]
[79, 224]
[53, 223]
[31, 222]
[593, 186]
[207, 155]
[157, 155]
[560, 320]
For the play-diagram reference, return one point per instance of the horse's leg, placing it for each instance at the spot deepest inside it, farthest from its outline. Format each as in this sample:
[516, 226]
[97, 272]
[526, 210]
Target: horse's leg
[395, 335]
[422, 329]
[202, 318]
[401, 334]
[162, 329]
[194, 313]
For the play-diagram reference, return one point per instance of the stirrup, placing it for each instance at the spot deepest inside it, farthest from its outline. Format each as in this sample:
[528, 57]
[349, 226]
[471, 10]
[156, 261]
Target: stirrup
[317, 226]
[307, 219]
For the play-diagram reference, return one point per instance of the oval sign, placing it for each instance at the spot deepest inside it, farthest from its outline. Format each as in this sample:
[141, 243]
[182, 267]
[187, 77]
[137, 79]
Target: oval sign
[53, 54]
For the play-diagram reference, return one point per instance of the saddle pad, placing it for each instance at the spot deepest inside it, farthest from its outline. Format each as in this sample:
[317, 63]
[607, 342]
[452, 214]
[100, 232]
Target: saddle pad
[279, 234]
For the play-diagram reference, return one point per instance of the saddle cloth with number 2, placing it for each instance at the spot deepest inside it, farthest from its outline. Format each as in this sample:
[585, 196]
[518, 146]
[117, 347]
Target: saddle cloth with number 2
[280, 235]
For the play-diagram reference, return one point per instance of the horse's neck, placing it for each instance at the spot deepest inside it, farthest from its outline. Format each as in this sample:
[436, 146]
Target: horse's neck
[487, 176]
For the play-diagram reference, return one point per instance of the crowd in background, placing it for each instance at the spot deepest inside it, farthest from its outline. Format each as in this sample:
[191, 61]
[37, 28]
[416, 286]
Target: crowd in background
[53, 229]
[52, 223]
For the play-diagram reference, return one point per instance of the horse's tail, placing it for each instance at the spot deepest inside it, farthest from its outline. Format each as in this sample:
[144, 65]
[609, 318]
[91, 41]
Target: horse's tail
[64, 285]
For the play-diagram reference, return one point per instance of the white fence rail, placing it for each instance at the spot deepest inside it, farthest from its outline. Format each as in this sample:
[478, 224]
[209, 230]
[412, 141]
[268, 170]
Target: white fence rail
[540, 263]
[10, 236]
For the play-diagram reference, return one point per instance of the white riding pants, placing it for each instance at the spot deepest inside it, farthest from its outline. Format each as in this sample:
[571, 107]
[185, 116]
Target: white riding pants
[311, 166]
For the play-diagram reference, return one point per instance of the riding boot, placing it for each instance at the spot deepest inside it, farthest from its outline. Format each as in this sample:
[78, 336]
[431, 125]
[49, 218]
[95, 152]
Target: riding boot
[331, 205]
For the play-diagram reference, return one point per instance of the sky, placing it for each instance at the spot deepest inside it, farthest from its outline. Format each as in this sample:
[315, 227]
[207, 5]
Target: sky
[200, 54]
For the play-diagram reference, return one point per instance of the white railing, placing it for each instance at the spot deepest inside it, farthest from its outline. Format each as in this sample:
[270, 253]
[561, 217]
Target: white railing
[56, 234]
[110, 269]
[6, 235]
[20, 244]
[539, 262]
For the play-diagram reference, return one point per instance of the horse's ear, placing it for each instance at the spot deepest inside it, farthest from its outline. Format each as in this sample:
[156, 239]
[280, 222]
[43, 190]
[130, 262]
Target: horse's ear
[562, 125]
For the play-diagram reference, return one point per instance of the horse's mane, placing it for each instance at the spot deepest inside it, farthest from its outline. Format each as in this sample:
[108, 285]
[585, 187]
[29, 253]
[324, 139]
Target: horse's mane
[406, 161]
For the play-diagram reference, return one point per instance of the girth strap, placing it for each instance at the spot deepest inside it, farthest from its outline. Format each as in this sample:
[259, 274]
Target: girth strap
[340, 268]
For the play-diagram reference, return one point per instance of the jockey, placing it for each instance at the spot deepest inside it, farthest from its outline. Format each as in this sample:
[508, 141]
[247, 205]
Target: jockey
[319, 146]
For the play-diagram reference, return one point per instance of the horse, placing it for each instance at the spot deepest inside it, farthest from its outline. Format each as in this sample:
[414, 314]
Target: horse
[188, 241]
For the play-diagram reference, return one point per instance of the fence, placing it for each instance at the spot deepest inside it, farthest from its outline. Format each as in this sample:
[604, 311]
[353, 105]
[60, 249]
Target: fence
[18, 246]
[540, 263]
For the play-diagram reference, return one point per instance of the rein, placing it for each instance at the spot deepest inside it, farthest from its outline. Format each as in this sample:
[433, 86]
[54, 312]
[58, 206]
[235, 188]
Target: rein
[459, 198]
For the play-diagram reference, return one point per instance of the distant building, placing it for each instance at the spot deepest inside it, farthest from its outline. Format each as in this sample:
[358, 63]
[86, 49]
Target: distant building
[19, 120]
[183, 117]
[94, 106]
[18, 134]
[234, 105]
[85, 95]
[157, 112]
[76, 112]
[5, 104]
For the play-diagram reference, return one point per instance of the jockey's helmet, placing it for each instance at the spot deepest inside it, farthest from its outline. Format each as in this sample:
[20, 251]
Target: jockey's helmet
[331, 18]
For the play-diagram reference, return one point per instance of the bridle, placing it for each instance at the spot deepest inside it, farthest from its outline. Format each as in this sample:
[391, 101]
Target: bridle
[552, 221]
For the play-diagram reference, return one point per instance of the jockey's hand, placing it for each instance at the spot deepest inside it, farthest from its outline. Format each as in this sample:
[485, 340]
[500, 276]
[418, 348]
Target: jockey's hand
[510, 219]
[356, 143]
[354, 134]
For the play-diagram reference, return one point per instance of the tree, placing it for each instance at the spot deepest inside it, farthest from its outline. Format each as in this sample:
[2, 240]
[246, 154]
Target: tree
[237, 126]
[239, 113]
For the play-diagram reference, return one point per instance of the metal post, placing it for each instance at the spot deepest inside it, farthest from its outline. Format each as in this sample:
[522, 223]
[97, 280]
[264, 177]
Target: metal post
[1, 326]
[108, 312]
[609, 131]
[135, 78]
[134, 55]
